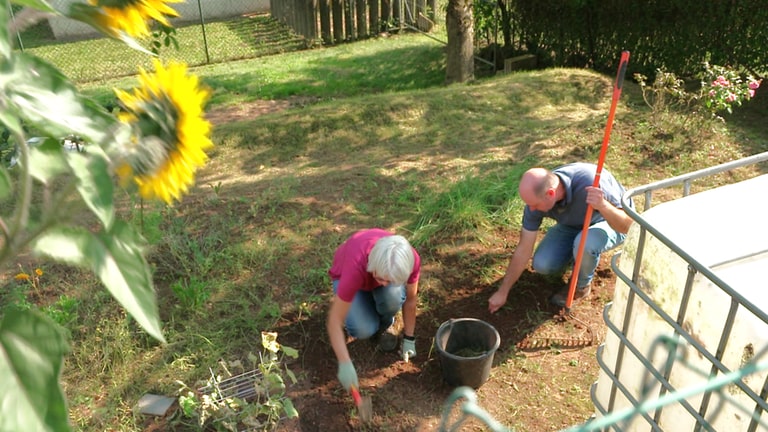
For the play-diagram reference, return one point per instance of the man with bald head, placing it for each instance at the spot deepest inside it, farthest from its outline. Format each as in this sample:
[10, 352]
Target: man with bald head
[563, 194]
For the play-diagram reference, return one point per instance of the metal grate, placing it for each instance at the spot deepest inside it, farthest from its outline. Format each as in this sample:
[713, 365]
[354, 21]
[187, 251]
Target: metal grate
[243, 386]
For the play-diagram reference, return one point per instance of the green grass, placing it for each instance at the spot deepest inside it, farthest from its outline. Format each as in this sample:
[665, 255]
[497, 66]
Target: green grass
[379, 142]
[367, 67]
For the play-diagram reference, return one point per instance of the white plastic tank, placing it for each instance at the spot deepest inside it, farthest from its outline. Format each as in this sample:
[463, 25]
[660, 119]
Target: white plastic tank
[658, 293]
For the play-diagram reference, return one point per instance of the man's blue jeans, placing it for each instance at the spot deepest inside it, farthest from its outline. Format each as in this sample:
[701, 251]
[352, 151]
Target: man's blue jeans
[559, 247]
[372, 311]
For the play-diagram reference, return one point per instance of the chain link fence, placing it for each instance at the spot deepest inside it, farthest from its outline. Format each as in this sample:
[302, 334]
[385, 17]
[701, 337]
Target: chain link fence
[206, 31]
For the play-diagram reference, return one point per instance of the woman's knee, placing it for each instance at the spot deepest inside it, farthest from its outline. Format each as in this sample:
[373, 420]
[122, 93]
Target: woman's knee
[361, 329]
[389, 300]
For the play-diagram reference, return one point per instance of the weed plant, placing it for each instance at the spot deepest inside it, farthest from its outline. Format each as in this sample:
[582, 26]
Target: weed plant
[253, 397]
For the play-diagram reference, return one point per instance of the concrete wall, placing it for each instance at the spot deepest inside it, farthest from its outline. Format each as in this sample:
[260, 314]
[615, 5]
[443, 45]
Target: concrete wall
[64, 28]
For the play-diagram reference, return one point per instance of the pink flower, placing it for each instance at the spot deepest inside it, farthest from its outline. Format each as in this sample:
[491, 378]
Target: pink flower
[751, 93]
[754, 85]
[712, 93]
[731, 97]
[721, 82]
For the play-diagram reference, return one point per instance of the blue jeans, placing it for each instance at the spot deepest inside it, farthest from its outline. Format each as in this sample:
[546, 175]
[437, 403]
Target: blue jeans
[560, 245]
[372, 311]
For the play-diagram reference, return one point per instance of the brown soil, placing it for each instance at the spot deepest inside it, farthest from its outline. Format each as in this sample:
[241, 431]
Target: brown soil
[544, 363]
[410, 396]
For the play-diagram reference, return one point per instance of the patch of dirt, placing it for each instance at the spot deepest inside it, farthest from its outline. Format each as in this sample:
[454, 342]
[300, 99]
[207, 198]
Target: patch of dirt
[410, 396]
[247, 111]
[543, 364]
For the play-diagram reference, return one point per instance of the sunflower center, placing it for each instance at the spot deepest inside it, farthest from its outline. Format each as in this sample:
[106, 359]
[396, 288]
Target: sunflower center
[156, 124]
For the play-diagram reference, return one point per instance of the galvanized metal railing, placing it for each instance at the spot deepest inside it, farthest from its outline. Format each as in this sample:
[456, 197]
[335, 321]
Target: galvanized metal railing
[719, 374]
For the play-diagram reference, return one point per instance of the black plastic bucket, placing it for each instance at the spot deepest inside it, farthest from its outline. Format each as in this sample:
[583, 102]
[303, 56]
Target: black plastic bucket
[466, 347]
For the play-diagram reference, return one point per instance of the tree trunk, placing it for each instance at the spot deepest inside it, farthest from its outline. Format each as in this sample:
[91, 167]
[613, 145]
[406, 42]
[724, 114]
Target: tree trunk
[506, 23]
[460, 63]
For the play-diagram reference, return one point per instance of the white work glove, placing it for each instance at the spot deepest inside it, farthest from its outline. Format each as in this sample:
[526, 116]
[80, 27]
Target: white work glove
[408, 349]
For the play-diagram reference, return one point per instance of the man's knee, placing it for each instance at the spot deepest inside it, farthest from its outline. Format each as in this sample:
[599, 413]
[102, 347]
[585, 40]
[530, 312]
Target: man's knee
[544, 266]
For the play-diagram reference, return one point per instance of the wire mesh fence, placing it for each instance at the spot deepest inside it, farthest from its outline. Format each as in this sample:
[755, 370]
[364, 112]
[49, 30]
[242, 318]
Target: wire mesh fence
[207, 31]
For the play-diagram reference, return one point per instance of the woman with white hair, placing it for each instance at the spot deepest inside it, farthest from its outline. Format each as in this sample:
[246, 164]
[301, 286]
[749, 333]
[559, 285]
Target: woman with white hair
[375, 274]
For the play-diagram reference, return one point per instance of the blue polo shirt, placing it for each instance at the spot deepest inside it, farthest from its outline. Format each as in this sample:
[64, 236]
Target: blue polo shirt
[572, 209]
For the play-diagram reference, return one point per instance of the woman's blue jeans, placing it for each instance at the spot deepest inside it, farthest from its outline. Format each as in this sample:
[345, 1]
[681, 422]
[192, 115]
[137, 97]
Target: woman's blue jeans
[372, 311]
[558, 249]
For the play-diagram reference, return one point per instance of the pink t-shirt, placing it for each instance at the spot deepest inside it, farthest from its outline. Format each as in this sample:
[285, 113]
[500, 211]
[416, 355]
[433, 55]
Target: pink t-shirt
[350, 264]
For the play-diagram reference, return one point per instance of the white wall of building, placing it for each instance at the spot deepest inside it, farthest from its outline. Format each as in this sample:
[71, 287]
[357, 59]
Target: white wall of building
[189, 10]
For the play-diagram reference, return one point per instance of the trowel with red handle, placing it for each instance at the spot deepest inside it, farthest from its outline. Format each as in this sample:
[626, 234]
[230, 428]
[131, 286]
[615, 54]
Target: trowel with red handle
[364, 405]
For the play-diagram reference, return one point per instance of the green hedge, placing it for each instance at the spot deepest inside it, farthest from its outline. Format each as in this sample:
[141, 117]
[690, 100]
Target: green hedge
[675, 34]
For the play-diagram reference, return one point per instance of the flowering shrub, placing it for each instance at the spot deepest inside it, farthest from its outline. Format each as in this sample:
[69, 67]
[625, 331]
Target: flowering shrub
[722, 88]
[154, 145]
[667, 90]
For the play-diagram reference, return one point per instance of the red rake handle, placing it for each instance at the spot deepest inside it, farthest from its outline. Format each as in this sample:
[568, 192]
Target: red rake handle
[617, 86]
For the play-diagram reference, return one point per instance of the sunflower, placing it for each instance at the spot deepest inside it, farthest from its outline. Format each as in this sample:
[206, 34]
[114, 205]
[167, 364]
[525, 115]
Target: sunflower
[170, 132]
[131, 16]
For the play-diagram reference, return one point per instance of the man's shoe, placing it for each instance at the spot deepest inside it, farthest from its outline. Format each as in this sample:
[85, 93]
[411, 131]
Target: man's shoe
[558, 299]
[388, 339]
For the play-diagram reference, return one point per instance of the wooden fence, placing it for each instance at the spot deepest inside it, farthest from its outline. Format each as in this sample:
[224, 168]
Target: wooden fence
[336, 21]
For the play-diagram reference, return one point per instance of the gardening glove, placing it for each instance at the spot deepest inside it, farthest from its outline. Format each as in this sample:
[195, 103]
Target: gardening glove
[347, 375]
[408, 349]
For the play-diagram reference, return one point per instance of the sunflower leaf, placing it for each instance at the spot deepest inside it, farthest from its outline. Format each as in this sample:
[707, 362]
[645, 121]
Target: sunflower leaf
[5, 43]
[115, 256]
[94, 183]
[45, 159]
[40, 94]
[9, 120]
[37, 4]
[32, 349]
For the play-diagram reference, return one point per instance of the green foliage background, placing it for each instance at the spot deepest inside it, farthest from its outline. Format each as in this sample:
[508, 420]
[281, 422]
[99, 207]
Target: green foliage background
[674, 35]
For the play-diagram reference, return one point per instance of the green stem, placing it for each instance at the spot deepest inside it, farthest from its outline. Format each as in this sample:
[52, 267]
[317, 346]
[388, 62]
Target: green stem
[20, 240]
[4, 230]
[20, 215]
[60, 216]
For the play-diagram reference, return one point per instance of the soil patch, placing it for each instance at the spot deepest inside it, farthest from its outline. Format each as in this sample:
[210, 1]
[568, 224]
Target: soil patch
[539, 359]
[544, 364]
